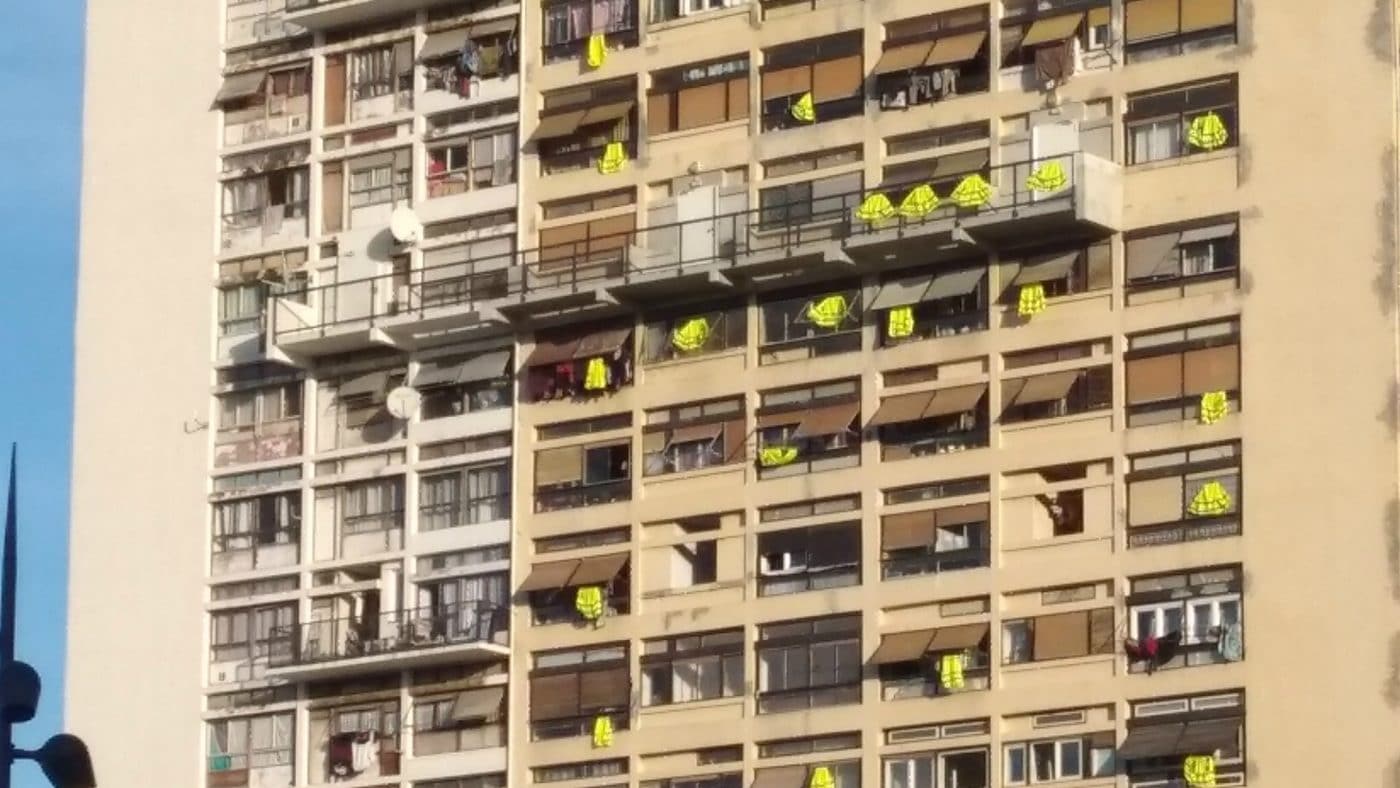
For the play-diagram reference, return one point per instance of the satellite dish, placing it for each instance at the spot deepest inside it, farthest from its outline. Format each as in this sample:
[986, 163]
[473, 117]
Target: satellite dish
[404, 225]
[403, 402]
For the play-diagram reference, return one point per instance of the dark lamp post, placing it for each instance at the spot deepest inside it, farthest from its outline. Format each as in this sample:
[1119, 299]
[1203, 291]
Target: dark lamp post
[63, 758]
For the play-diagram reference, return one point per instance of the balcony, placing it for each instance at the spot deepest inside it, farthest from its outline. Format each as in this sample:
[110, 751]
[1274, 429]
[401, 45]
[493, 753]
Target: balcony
[325, 14]
[457, 633]
[713, 254]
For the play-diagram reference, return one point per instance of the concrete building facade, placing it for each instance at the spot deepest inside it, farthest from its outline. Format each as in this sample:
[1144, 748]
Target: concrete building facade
[727, 394]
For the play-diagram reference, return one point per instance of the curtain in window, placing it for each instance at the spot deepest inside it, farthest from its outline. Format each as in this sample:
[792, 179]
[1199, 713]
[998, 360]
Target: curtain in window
[485, 486]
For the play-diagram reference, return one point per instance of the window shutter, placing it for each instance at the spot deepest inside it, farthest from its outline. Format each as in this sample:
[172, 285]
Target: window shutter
[1153, 501]
[605, 689]
[1212, 369]
[837, 79]
[1154, 378]
[738, 90]
[554, 697]
[1062, 635]
[701, 106]
[1101, 631]
[659, 113]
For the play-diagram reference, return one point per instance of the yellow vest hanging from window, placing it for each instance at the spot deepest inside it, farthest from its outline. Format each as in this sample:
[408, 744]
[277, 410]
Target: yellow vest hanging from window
[972, 191]
[1199, 771]
[597, 53]
[821, 778]
[775, 456]
[1207, 132]
[950, 671]
[595, 377]
[613, 157]
[1031, 302]
[1214, 407]
[875, 208]
[1210, 500]
[919, 202]
[900, 322]
[602, 731]
[589, 602]
[828, 312]
[690, 335]
[1048, 177]
[803, 109]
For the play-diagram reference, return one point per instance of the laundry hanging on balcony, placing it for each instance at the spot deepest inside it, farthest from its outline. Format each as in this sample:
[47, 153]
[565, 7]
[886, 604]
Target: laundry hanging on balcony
[1207, 132]
[1199, 771]
[950, 671]
[690, 335]
[596, 375]
[1031, 301]
[597, 53]
[900, 322]
[1048, 177]
[1152, 650]
[828, 312]
[803, 110]
[589, 602]
[1230, 646]
[821, 778]
[875, 208]
[602, 731]
[777, 456]
[1214, 407]
[1210, 500]
[613, 158]
[919, 202]
[972, 191]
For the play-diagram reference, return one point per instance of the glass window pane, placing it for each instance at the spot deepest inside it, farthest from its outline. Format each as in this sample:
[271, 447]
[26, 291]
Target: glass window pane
[1071, 764]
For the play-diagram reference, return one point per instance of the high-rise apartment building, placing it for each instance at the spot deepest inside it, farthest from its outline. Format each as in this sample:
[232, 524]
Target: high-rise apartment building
[716, 394]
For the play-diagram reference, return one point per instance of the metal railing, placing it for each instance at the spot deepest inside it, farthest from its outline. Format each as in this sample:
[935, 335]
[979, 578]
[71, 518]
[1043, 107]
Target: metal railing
[932, 563]
[350, 637]
[723, 241]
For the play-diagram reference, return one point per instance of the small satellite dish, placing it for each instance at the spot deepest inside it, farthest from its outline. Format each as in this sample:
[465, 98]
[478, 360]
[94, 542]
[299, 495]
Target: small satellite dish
[404, 225]
[403, 402]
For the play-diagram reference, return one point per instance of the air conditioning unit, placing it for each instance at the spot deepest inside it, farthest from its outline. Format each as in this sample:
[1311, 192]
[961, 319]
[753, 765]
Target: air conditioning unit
[780, 564]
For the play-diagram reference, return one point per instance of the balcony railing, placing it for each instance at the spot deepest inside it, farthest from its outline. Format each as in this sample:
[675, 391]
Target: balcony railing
[974, 679]
[421, 629]
[549, 500]
[913, 563]
[741, 241]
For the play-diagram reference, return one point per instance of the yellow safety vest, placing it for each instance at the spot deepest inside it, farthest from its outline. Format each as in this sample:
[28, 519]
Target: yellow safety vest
[1207, 132]
[597, 50]
[803, 109]
[775, 456]
[1048, 177]
[875, 208]
[1199, 771]
[1215, 405]
[950, 671]
[821, 778]
[595, 376]
[829, 311]
[602, 731]
[691, 335]
[1031, 302]
[972, 191]
[1210, 500]
[589, 602]
[613, 157]
[900, 322]
[919, 202]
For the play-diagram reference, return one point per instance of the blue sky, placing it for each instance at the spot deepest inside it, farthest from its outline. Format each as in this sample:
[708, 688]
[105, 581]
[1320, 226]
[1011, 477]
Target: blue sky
[40, 77]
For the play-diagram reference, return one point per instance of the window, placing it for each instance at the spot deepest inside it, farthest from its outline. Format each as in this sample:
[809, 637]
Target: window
[1199, 612]
[694, 436]
[1164, 256]
[581, 771]
[684, 668]
[951, 302]
[809, 162]
[932, 57]
[380, 71]
[844, 774]
[1161, 28]
[937, 137]
[584, 250]
[1163, 732]
[808, 429]
[808, 559]
[241, 410]
[243, 743]
[829, 69]
[478, 162]
[1060, 271]
[1032, 33]
[1058, 636]
[791, 511]
[588, 203]
[1056, 394]
[666, 10]
[1183, 495]
[251, 202]
[251, 523]
[573, 541]
[821, 200]
[1168, 372]
[241, 308]
[784, 748]
[821, 322]
[1056, 760]
[698, 95]
[930, 541]
[575, 476]
[952, 769]
[809, 664]
[375, 505]
[464, 496]
[568, 23]
[694, 333]
[1158, 123]
[568, 689]
[475, 781]
[470, 383]
[378, 184]
[931, 492]
[253, 633]
[931, 422]
[459, 559]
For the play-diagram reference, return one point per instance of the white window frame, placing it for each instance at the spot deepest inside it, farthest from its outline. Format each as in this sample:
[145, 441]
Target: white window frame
[908, 765]
[1024, 751]
[1188, 609]
[1151, 126]
[1159, 610]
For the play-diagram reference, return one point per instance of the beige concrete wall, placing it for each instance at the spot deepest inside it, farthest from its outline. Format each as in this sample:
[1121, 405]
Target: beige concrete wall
[138, 547]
